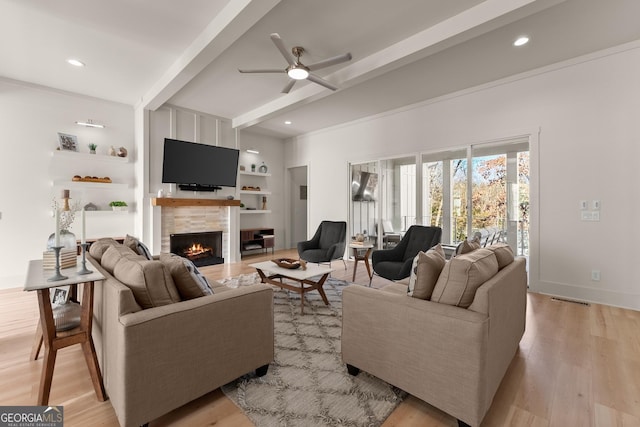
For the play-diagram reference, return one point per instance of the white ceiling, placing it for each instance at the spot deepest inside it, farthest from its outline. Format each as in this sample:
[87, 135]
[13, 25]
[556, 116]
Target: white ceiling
[148, 52]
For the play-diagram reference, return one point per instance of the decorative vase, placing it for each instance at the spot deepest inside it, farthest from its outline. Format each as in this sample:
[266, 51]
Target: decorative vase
[263, 168]
[67, 240]
[92, 151]
[253, 168]
[112, 151]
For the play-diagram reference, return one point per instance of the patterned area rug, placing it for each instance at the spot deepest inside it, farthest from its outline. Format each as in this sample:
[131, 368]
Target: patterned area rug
[307, 384]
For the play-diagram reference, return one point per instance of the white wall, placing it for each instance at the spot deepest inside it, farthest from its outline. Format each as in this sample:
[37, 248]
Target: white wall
[31, 119]
[587, 113]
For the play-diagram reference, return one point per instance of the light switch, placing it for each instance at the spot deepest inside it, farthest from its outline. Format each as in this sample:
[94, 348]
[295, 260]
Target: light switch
[586, 215]
[595, 216]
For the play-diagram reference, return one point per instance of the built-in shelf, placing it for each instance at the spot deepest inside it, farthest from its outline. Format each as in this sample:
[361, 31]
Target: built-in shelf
[108, 212]
[254, 211]
[100, 185]
[255, 173]
[257, 193]
[91, 157]
[176, 202]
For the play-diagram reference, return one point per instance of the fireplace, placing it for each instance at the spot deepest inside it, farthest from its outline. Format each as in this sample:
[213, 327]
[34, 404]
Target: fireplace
[201, 248]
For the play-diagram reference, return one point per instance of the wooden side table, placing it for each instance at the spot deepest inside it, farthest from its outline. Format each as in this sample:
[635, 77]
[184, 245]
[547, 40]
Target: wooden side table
[357, 256]
[55, 340]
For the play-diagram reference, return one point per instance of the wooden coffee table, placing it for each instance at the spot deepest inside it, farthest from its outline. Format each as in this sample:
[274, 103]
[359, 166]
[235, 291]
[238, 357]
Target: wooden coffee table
[269, 272]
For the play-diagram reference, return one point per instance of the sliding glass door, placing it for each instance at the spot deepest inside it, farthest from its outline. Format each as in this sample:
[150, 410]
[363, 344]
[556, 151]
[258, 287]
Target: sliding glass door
[500, 193]
[481, 188]
[398, 194]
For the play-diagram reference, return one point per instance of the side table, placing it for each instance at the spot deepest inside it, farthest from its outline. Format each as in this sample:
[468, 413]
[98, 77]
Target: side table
[55, 340]
[358, 256]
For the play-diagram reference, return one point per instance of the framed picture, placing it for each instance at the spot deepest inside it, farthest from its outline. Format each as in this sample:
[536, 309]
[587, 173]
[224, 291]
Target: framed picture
[68, 142]
[60, 295]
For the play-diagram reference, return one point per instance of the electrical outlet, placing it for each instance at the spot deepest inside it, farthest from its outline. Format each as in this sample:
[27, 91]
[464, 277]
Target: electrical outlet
[583, 205]
[595, 275]
[596, 204]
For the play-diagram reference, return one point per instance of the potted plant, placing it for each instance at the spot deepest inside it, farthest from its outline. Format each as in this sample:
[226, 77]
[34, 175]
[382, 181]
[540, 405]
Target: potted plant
[118, 205]
[92, 148]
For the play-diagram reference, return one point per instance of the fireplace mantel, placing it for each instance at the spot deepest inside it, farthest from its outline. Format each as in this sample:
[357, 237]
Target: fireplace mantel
[175, 202]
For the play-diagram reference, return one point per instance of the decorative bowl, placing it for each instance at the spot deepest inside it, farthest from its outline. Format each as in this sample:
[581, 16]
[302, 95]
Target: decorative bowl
[289, 263]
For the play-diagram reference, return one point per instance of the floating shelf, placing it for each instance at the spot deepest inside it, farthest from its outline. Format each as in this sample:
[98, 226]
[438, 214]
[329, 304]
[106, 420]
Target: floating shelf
[176, 202]
[92, 157]
[255, 173]
[108, 212]
[261, 192]
[254, 211]
[100, 185]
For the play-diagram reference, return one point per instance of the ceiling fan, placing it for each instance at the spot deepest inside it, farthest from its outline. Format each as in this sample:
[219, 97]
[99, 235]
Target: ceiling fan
[296, 69]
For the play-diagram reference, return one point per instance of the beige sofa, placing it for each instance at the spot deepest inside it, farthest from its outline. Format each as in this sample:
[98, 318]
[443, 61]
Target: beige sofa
[157, 359]
[451, 357]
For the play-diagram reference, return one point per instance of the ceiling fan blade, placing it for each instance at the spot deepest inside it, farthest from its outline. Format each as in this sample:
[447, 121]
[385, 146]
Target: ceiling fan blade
[275, 37]
[263, 70]
[321, 82]
[330, 61]
[288, 87]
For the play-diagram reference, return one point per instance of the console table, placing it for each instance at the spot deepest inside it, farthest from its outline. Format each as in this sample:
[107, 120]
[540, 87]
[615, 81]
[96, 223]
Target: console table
[55, 340]
[257, 238]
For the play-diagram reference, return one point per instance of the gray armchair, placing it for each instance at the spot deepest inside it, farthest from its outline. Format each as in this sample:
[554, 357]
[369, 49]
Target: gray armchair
[326, 245]
[395, 264]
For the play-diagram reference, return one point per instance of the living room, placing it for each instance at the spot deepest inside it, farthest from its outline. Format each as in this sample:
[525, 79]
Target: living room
[578, 113]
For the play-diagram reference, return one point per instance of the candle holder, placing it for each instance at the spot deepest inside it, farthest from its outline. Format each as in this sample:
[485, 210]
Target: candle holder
[84, 269]
[56, 277]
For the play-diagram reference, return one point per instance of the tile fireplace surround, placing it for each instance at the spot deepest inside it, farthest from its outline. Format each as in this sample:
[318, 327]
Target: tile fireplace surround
[178, 215]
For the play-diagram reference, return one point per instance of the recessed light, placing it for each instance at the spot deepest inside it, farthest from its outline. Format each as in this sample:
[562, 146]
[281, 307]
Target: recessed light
[521, 41]
[75, 62]
[287, 122]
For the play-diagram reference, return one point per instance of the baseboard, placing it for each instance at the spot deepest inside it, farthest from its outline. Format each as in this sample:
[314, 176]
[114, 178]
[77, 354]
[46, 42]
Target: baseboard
[589, 294]
[7, 282]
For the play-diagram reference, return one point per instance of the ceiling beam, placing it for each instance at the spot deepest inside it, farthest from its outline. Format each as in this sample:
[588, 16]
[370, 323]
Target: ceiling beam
[477, 20]
[231, 23]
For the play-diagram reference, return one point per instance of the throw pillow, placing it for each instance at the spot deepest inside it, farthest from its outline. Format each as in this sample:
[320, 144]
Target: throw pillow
[186, 276]
[462, 276]
[503, 253]
[467, 246]
[113, 254]
[135, 244]
[150, 282]
[428, 269]
[98, 248]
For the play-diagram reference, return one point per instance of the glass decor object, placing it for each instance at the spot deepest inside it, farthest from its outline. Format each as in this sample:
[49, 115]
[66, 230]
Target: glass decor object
[263, 168]
[66, 316]
[67, 240]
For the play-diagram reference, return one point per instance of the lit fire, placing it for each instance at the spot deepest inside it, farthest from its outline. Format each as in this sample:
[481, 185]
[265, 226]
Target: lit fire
[197, 249]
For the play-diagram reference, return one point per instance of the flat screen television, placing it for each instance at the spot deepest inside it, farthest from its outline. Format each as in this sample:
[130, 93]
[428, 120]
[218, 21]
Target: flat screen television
[199, 167]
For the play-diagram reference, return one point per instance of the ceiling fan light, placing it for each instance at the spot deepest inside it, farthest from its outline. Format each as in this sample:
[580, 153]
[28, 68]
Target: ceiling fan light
[297, 73]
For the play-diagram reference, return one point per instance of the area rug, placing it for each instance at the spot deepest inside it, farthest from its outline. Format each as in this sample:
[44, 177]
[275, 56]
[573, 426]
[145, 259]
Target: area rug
[308, 384]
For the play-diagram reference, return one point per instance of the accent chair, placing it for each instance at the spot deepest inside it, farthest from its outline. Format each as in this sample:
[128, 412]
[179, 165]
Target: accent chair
[326, 245]
[395, 263]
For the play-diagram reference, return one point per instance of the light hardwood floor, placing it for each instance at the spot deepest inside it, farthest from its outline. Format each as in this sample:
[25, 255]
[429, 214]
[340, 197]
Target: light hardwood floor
[576, 366]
